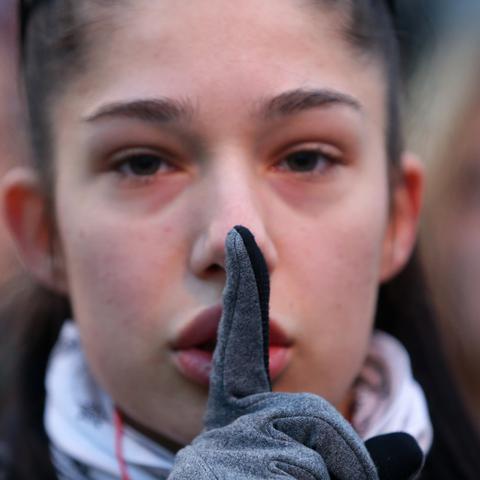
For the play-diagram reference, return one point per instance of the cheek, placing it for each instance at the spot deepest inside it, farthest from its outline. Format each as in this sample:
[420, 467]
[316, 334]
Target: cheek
[338, 251]
[330, 290]
[341, 268]
[120, 273]
[125, 277]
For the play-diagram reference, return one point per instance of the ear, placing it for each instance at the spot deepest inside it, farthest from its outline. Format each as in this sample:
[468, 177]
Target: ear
[31, 225]
[404, 215]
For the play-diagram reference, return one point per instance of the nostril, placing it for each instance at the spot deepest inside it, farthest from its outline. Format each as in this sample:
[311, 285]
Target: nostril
[215, 268]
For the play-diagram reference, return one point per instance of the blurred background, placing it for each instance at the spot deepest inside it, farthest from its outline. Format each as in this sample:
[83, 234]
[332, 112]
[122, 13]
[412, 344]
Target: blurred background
[11, 119]
[440, 42]
[422, 25]
[442, 120]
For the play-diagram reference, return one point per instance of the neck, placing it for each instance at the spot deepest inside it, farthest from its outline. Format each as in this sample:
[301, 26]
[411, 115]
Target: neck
[162, 440]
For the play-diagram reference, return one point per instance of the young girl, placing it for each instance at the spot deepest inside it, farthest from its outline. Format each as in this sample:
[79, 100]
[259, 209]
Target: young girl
[159, 125]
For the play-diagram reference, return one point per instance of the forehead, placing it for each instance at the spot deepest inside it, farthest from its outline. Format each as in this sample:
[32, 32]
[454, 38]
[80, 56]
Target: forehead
[219, 52]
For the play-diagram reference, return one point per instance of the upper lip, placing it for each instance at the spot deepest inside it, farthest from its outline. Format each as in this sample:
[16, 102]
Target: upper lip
[202, 330]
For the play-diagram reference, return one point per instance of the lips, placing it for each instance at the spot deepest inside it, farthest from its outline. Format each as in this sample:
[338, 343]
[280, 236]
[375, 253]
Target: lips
[193, 349]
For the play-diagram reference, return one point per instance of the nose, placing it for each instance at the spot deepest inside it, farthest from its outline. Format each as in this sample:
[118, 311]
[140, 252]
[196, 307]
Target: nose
[230, 199]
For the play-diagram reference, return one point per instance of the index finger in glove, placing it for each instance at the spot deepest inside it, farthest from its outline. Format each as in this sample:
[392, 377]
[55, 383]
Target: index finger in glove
[240, 362]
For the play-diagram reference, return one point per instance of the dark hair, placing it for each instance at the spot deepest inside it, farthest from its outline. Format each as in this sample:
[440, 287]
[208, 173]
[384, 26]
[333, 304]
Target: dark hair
[31, 318]
[405, 310]
[54, 47]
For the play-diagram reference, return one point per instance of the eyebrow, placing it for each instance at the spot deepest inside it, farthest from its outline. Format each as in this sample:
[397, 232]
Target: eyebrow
[299, 100]
[168, 110]
[158, 110]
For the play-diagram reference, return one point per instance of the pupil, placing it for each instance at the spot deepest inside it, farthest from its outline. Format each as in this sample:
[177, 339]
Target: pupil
[302, 161]
[144, 165]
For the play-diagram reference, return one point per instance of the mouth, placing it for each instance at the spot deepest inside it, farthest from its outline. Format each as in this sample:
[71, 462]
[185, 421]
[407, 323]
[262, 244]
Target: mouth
[194, 347]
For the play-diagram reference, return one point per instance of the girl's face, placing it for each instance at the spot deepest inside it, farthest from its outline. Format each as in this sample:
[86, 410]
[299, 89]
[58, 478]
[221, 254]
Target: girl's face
[193, 117]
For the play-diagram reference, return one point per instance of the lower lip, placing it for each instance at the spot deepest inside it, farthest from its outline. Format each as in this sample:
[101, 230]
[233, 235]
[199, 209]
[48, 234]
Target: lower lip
[196, 364]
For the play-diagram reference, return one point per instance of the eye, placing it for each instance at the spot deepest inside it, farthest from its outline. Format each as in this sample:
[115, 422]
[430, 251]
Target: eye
[143, 164]
[307, 161]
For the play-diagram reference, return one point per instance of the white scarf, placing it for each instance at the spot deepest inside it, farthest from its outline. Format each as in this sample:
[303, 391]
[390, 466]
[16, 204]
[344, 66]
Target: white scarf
[387, 397]
[79, 414]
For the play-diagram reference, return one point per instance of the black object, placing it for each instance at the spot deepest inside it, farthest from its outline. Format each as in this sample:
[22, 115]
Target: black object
[397, 456]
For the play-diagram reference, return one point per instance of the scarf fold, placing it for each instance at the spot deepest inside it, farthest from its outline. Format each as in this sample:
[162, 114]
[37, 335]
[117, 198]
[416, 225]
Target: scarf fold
[387, 397]
[79, 415]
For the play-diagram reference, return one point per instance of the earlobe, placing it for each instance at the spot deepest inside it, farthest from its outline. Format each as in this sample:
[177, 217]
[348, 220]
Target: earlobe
[404, 216]
[30, 223]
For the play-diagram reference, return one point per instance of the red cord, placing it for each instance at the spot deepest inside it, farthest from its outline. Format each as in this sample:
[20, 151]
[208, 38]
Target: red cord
[118, 420]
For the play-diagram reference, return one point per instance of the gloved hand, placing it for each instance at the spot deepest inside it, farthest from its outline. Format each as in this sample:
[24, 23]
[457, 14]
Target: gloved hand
[250, 432]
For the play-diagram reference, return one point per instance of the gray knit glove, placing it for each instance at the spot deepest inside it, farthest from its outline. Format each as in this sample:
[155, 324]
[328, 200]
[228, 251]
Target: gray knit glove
[251, 433]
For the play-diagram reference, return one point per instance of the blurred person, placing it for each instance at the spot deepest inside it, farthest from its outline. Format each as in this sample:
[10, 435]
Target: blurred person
[444, 127]
[13, 150]
[11, 131]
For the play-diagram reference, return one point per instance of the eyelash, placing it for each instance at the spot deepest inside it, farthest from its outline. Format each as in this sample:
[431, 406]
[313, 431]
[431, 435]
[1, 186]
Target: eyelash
[129, 165]
[130, 168]
[308, 154]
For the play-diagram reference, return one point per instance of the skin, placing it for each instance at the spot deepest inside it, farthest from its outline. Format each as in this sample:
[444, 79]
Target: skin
[140, 257]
